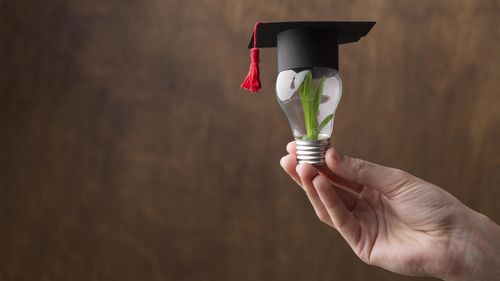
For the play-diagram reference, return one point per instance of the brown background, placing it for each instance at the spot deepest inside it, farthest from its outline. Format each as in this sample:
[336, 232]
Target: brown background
[128, 152]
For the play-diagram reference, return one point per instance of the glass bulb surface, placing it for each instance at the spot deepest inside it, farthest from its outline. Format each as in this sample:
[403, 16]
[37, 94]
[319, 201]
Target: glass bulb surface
[309, 99]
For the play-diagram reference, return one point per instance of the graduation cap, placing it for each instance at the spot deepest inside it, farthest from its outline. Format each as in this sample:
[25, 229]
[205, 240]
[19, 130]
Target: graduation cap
[301, 45]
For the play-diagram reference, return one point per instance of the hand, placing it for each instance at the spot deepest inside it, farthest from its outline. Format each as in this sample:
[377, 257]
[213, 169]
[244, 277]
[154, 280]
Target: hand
[397, 221]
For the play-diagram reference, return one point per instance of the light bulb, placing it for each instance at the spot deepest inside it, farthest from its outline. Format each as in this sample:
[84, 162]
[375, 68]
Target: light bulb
[309, 98]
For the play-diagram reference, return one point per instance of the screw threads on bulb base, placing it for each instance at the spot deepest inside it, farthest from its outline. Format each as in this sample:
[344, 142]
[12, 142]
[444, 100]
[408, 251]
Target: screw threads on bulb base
[312, 152]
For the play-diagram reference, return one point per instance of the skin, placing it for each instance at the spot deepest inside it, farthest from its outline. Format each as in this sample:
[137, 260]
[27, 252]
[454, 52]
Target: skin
[397, 221]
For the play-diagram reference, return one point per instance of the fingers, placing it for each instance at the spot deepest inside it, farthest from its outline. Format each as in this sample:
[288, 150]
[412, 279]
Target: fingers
[343, 220]
[307, 173]
[289, 164]
[327, 204]
[384, 179]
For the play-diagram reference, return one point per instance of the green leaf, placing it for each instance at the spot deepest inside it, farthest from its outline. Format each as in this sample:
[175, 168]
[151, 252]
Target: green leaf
[324, 122]
[318, 93]
[305, 86]
[306, 99]
[301, 90]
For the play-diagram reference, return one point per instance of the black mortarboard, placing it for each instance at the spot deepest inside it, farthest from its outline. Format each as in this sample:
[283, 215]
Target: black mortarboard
[303, 44]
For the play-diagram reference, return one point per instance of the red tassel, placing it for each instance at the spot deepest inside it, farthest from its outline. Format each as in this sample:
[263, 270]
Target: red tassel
[252, 81]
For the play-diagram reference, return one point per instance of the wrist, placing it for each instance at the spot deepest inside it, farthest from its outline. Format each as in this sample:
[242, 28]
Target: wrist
[475, 248]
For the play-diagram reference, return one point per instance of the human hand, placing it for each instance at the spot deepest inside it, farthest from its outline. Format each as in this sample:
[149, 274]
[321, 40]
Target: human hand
[397, 221]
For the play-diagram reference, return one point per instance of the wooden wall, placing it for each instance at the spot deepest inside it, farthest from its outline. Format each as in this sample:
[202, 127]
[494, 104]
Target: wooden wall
[128, 151]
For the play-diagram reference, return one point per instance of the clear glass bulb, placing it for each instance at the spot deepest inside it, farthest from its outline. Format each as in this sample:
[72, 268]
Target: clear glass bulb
[309, 99]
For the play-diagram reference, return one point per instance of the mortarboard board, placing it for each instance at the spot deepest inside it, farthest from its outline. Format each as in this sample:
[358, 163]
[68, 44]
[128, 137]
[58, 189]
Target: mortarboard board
[302, 45]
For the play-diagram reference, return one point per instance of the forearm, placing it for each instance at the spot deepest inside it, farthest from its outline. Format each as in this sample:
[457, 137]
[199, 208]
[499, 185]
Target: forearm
[479, 256]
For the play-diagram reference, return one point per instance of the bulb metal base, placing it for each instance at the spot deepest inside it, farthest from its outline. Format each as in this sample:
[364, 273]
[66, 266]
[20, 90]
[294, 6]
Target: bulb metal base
[312, 152]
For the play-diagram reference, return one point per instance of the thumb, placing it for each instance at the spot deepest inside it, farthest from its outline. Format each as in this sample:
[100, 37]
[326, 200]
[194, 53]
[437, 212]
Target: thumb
[384, 179]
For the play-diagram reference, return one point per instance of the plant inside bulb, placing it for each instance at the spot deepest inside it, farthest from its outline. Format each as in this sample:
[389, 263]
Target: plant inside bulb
[309, 98]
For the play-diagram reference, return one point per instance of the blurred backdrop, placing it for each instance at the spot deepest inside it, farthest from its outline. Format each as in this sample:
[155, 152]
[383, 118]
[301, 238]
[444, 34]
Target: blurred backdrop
[128, 151]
